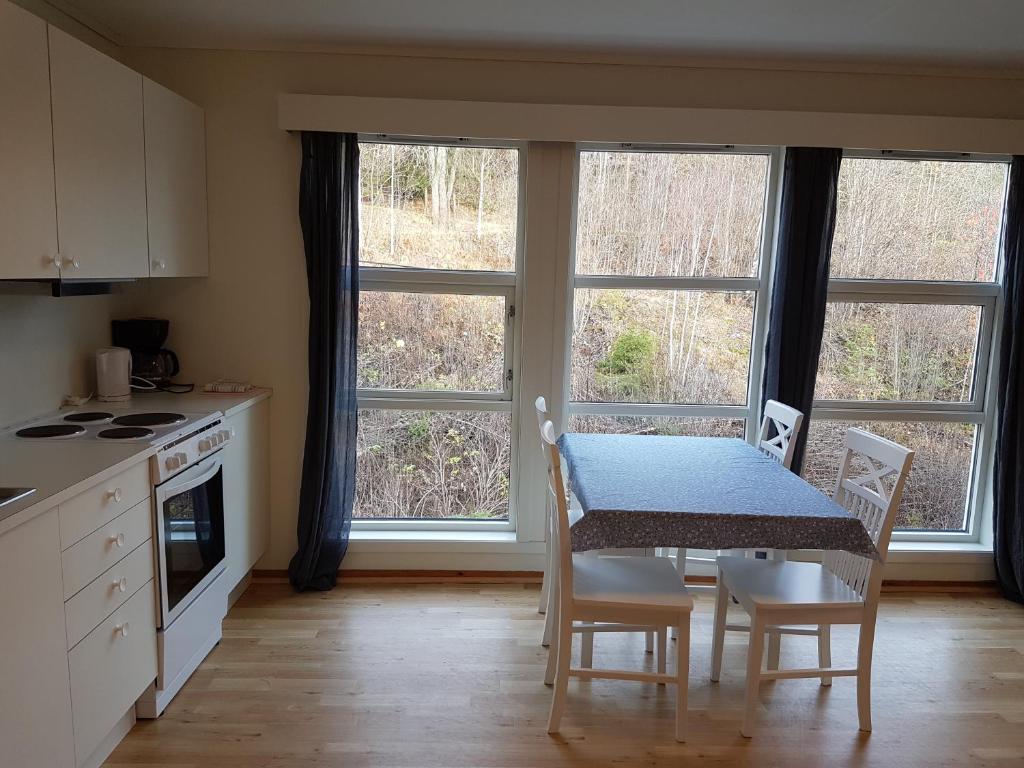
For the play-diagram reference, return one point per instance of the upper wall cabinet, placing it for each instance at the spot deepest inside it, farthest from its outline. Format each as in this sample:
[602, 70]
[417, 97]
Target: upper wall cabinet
[28, 218]
[100, 162]
[175, 184]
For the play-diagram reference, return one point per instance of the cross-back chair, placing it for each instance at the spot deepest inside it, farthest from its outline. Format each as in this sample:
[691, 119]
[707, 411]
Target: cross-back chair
[788, 597]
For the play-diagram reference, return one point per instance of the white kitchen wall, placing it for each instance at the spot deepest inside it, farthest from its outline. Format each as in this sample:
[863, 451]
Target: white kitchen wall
[46, 348]
[248, 319]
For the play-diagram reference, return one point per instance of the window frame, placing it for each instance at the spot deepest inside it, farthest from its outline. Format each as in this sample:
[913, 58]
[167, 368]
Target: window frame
[980, 409]
[759, 285]
[399, 279]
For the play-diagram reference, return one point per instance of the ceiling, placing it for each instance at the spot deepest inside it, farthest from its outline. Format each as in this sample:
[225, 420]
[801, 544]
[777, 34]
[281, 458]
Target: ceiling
[933, 32]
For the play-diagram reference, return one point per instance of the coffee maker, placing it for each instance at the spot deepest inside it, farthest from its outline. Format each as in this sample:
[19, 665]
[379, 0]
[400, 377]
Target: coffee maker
[153, 367]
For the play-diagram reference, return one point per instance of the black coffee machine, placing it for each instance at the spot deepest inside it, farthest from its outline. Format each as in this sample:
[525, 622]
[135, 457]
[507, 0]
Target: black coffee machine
[152, 365]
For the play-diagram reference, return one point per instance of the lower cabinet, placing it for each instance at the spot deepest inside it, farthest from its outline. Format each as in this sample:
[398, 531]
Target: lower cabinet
[35, 703]
[111, 668]
[246, 490]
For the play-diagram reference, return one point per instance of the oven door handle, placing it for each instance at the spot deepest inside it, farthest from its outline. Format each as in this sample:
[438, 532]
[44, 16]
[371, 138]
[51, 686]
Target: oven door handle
[191, 478]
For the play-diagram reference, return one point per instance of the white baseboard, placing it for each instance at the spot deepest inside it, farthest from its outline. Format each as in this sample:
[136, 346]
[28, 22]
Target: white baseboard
[110, 741]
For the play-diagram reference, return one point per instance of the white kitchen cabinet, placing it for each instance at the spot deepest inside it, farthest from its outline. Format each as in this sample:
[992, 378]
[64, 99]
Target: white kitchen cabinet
[99, 161]
[28, 217]
[247, 490]
[175, 184]
[35, 698]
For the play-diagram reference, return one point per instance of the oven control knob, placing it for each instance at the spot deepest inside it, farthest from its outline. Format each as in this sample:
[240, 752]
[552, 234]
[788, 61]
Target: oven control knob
[205, 445]
[172, 462]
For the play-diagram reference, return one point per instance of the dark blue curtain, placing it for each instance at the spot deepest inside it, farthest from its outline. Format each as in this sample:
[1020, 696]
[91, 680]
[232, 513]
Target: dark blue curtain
[1008, 517]
[800, 287]
[329, 214]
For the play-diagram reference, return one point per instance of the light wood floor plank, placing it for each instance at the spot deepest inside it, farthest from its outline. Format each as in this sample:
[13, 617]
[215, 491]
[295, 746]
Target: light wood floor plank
[445, 675]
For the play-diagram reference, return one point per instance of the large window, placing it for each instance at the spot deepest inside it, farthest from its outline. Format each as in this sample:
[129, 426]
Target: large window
[909, 325]
[668, 309]
[439, 234]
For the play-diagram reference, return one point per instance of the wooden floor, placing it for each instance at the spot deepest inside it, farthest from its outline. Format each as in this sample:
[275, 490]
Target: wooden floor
[450, 675]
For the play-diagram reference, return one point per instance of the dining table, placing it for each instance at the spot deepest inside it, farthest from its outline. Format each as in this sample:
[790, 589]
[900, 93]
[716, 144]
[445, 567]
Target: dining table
[649, 491]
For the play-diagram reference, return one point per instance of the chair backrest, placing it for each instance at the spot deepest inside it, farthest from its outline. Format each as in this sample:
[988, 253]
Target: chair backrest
[872, 475]
[785, 423]
[560, 504]
[540, 405]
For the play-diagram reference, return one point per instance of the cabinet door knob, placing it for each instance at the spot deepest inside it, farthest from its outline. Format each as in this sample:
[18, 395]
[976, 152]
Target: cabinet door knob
[121, 629]
[121, 585]
[115, 494]
[158, 264]
[70, 262]
[117, 540]
[55, 260]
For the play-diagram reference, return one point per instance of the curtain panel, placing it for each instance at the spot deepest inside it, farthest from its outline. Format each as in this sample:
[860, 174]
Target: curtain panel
[1008, 513]
[806, 224]
[329, 215]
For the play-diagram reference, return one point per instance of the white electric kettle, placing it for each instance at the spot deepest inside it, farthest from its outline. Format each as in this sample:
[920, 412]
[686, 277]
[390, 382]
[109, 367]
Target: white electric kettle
[113, 374]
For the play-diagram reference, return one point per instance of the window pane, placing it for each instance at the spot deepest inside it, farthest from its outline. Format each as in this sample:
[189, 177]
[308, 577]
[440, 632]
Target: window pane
[670, 213]
[918, 220]
[433, 465]
[641, 346]
[935, 497]
[920, 352]
[432, 341]
[656, 425]
[437, 207]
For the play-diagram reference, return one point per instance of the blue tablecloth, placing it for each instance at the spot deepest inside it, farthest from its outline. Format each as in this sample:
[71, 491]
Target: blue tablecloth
[698, 493]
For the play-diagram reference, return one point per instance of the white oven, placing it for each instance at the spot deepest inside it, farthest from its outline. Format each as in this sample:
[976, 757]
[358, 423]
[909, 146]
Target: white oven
[188, 493]
[190, 534]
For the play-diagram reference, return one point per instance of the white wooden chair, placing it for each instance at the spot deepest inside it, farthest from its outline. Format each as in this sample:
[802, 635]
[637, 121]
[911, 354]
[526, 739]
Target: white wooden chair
[546, 594]
[611, 592]
[791, 597]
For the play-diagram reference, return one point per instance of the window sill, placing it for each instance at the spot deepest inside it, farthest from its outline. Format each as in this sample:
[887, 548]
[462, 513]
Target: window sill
[436, 536]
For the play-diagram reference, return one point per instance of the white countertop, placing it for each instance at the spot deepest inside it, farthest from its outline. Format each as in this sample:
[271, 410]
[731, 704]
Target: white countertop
[60, 469]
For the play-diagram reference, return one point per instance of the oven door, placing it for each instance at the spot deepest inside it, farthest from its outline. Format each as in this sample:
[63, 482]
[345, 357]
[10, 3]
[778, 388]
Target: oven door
[190, 534]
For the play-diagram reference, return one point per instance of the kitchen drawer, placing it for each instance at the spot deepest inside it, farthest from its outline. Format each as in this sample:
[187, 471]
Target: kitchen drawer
[103, 548]
[111, 668]
[103, 502]
[108, 592]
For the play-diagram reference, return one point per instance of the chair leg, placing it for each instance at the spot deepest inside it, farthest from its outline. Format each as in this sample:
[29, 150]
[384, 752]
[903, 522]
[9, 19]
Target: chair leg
[587, 650]
[549, 621]
[825, 651]
[718, 635]
[551, 587]
[774, 649]
[682, 674]
[755, 655]
[543, 606]
[552, 619]
[649, 641]
[561, 674]
[679, 560]
[662, 650]
[865, 645]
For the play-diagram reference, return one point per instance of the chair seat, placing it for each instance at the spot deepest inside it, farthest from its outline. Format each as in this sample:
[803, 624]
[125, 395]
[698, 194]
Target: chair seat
[765, 584]
[628, 582]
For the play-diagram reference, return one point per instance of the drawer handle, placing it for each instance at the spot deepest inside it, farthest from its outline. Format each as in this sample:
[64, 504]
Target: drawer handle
[117, 540]
[121, 585]
[115, 494]
[121, 629]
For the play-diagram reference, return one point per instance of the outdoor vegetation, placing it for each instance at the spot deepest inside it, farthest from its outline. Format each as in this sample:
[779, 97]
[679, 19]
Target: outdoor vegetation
[663, 215]
[434, 207]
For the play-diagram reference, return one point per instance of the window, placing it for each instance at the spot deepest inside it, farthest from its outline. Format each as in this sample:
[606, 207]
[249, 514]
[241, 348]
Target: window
[909, 326]
[670, 271]
[439, 234]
